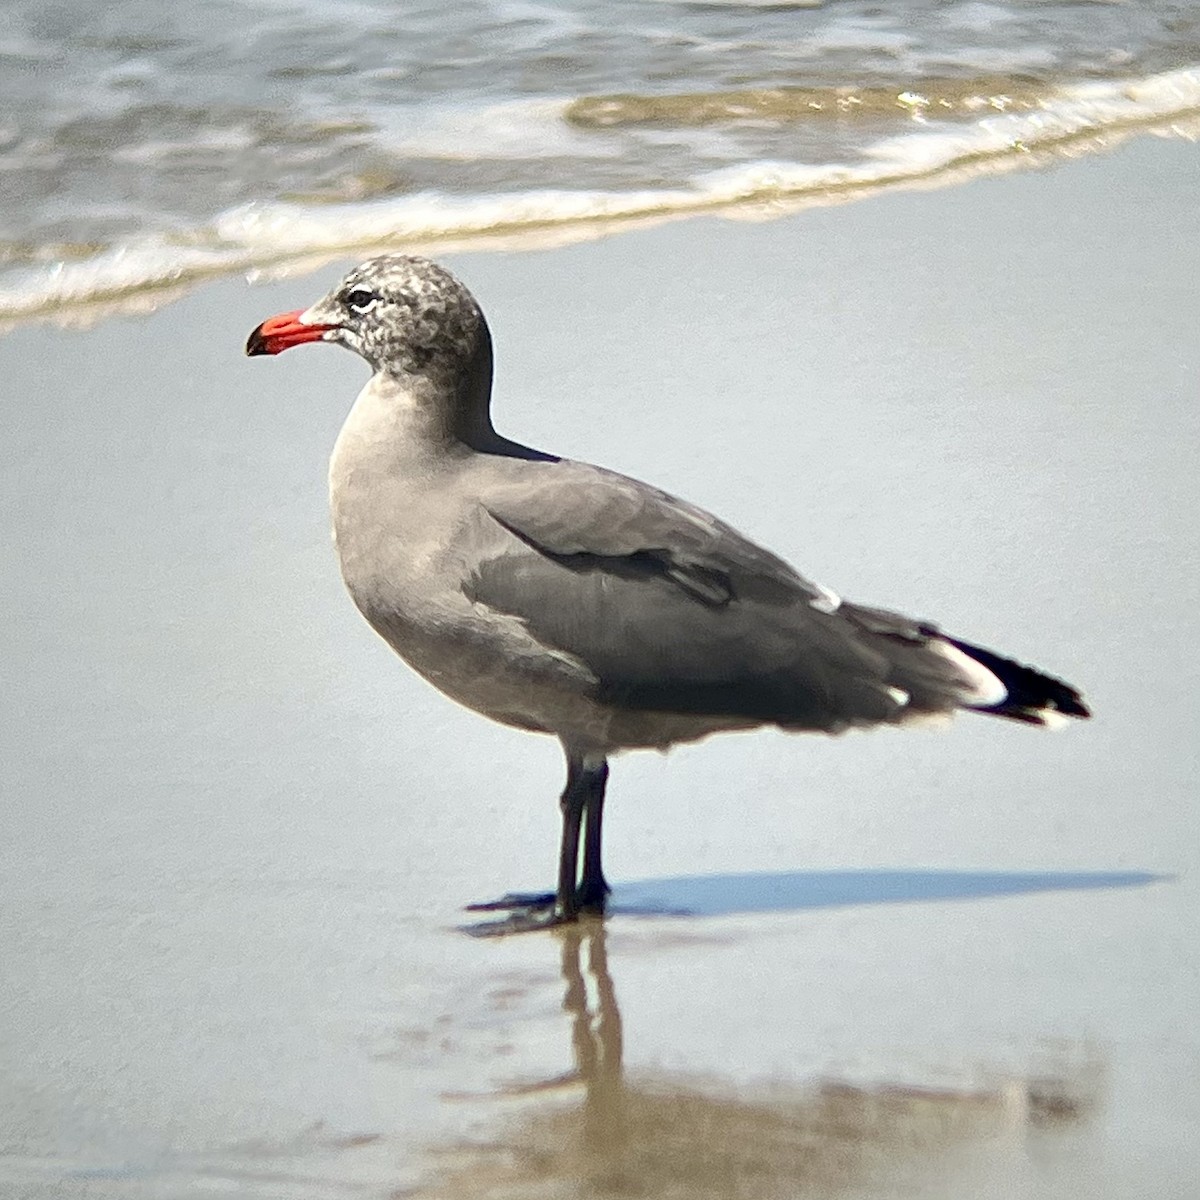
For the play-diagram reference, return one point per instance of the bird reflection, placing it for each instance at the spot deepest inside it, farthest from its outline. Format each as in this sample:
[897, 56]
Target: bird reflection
[598, 1132]
[596, 1036]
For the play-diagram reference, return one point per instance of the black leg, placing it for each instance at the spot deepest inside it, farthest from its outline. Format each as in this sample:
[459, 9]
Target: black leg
[574, 798]
[582, 799]
[594, 889]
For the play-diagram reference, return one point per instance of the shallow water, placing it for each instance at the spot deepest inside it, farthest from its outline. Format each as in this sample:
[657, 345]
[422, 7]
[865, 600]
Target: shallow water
[238, 835]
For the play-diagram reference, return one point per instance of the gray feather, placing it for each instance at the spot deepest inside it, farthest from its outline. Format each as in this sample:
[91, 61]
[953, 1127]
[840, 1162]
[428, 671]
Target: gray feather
[671, 609]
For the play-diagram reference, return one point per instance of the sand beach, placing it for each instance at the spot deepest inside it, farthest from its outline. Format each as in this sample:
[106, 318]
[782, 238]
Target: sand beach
[238, 834]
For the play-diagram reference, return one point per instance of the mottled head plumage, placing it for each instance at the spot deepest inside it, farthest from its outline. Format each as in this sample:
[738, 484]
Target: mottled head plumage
[404, 315]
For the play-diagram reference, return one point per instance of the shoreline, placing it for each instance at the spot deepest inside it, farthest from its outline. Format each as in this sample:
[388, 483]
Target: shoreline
[769, 199]
[242, 832]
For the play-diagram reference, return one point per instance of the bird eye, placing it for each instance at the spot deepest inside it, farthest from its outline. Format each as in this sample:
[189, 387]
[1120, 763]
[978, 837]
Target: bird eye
[360, 300]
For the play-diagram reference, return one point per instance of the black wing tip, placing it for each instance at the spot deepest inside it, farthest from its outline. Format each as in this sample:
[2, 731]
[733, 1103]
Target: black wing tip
[1046, 714]
[1073, 706]
[1060, 698]
[1032, 693]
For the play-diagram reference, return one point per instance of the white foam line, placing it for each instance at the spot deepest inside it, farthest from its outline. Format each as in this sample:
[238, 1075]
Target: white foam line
[262, 235]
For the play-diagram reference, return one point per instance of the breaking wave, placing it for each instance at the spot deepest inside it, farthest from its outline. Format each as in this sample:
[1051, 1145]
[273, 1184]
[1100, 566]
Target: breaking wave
[995, 129]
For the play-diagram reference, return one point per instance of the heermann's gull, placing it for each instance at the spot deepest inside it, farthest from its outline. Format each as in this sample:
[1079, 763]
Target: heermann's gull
[566, 599]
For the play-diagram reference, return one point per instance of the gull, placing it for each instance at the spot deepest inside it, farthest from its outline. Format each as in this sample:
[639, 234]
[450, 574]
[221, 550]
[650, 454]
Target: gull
[562, 598]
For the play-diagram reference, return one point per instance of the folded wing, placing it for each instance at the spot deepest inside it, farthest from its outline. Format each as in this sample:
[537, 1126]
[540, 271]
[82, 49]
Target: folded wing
[674, 611]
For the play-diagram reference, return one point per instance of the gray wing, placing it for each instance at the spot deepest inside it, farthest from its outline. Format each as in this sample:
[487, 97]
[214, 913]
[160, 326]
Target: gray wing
[673, 610]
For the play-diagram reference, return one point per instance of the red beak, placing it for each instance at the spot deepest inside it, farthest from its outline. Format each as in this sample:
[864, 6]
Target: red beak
[282, 333]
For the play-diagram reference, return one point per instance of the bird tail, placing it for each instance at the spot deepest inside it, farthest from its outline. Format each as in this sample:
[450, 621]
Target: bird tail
[935, 673]
[1032, 696]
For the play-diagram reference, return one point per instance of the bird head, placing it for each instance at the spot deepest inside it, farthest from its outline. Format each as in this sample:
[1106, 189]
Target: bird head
[406, 316]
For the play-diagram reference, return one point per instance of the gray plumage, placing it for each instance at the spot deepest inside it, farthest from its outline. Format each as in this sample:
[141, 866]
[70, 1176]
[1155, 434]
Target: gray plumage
[563, 598]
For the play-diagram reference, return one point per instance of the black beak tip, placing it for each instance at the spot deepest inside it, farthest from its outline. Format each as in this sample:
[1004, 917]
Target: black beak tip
[256, 344]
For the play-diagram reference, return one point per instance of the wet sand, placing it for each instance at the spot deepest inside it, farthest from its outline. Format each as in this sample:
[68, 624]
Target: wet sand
[238, 834]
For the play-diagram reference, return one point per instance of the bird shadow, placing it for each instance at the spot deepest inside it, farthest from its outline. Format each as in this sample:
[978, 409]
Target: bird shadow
[790, 891]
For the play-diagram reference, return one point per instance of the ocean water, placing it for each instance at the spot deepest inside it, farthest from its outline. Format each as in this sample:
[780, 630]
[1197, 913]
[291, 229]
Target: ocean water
[143, 146]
